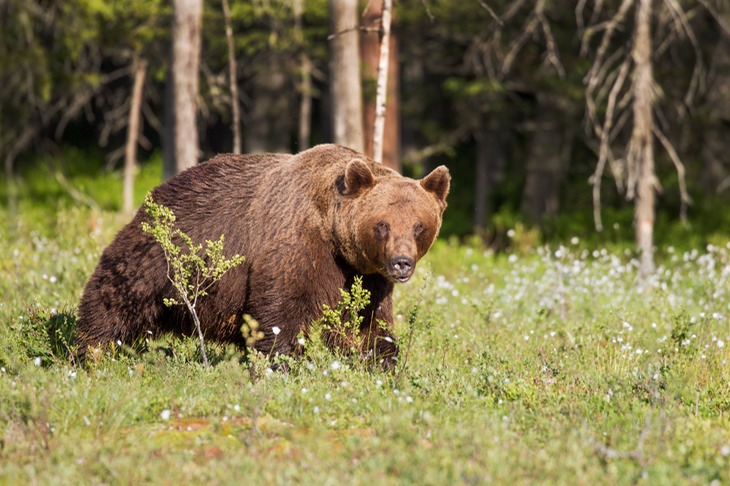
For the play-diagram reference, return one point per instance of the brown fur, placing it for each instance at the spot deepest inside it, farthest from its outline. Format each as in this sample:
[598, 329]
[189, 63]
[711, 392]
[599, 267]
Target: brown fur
[307, 225]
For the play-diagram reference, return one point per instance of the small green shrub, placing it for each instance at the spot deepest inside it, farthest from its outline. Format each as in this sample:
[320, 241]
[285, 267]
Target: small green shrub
[190, 270]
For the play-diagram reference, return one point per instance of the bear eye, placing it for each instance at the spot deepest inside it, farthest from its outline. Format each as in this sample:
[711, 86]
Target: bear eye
[418, 229]
[382, 229]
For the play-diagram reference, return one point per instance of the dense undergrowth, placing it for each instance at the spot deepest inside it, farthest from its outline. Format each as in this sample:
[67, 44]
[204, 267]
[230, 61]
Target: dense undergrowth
[541, 364]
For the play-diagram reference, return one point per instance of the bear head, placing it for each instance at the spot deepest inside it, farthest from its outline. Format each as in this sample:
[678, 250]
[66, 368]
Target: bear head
[385, 222]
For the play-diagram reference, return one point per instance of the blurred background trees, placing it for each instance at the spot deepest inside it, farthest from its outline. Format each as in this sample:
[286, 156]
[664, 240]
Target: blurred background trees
[527, 101]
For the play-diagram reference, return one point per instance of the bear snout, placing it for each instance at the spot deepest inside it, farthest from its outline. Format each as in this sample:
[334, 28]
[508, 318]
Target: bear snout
[401, 268]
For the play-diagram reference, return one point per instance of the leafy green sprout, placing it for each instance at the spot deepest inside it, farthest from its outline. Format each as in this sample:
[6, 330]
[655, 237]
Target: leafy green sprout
[191, 270]
[351, 304]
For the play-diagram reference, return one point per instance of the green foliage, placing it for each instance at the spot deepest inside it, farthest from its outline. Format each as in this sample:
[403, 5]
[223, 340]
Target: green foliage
[45, 336]
[343, 322]
[350, 305]
[191, 270]
[77, 176]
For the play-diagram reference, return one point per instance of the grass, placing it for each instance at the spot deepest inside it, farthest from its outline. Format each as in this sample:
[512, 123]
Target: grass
[537, 366]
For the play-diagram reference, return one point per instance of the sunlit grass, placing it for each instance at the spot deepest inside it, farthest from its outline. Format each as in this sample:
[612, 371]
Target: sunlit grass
[543, 365]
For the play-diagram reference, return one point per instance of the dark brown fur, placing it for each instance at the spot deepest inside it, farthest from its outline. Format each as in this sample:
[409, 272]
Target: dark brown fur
[307, 225]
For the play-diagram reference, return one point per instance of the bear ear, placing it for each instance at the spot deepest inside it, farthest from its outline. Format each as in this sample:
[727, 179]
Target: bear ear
[438, 182]
[358, 177]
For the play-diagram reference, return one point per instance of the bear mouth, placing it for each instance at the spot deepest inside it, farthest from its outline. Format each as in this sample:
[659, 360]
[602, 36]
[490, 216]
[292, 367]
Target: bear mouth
[397, 276]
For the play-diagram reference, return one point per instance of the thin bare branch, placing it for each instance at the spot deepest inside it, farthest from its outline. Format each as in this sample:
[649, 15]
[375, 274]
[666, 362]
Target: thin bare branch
[579, 7]
[151, 117]
[513, 10]
[610, 27]
[552, 46]
[679, 166]
[491, 12]
[352, 29]
[682, 25]
[427, 9]
[447, 143]
[604, 132]
[531, 26]
[721, 21]
[599, 86]
[723, 186]
[75, 194]
[79, 101]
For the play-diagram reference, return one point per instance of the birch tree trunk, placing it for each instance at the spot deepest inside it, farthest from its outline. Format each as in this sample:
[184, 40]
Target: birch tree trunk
[346, 91]
[186, 34]
[233, 80]
[641, 146]
[133, 128]
[382, 84]
[370, 53]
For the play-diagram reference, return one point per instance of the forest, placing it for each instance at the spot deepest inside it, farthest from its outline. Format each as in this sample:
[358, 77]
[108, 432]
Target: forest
[532, 104]
[569, 325]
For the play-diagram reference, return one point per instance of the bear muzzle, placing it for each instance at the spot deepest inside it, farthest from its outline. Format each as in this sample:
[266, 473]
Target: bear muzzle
[401, 268]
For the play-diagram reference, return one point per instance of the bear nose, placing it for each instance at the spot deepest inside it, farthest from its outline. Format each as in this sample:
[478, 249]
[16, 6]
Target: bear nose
[402, 267]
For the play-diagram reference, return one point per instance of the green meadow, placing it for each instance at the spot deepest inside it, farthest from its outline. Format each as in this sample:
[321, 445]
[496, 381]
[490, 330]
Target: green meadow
[541, 364]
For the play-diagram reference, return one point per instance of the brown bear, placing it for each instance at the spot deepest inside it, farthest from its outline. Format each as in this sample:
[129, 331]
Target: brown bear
[307, 224]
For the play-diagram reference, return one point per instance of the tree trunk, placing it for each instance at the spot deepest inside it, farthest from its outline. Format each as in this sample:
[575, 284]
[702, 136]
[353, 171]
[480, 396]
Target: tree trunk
[370, 52]
[270, 124]
[133, 128]
[186, 33]
[168, 127]
[382, 82]
[305, 89]
[233, 80]
[641, 145]
[305, 105]
[548, 157]
[346, 91]
[714, 136]
[489, 172]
